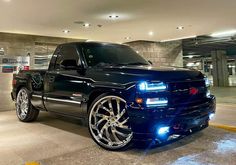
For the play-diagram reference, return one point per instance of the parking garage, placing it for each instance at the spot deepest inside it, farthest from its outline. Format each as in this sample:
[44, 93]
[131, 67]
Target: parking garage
[182, 34]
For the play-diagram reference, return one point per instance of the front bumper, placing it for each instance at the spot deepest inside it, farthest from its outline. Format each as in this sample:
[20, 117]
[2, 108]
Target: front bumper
[180, 119]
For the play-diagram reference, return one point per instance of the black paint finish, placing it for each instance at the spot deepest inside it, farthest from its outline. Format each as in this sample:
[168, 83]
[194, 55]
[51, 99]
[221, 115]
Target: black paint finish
[70, 91]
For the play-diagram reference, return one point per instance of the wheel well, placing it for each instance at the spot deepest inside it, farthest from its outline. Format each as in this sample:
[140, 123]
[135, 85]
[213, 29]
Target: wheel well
[18, 89]
[95, 94]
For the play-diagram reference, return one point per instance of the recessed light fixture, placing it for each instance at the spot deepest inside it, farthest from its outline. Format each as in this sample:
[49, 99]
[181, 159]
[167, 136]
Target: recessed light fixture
[224, 34]
[191, 56]
[180, 28]
[66, 31]
[79, 22]
[113, 16]
[151, 33]
[127, 38]
[86, 25]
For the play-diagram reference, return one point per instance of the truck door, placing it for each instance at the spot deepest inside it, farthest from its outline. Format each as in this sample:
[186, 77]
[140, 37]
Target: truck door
[64, 88]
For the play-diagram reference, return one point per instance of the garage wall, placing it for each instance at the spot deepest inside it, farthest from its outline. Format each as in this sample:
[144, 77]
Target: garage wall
[12, 45]
[15, 45]
[161, 54]
[5, 90]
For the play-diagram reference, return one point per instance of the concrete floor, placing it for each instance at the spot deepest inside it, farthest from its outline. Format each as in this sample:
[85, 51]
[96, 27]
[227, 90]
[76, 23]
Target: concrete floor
[224, 94]
[62, 141]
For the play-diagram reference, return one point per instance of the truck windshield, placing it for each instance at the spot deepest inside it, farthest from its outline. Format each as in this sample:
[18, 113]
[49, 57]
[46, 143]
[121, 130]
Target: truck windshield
[111, 54]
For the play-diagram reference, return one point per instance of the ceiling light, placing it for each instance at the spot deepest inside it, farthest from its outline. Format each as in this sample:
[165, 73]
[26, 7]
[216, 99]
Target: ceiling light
[66, 31]
[175, 39]
[191, 56]
[224, 34]
[7, 0]
[190, 64]
[86, 25]
[113, 16]
[150, 33]
[127, 38]
[180, 28]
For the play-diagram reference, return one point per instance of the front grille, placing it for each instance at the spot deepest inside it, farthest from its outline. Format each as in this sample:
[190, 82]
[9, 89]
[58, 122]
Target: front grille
[180, 93]
[190, 110]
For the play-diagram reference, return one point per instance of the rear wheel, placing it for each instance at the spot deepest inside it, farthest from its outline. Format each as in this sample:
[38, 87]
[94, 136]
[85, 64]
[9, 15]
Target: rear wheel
[109, 122]
[24, 109]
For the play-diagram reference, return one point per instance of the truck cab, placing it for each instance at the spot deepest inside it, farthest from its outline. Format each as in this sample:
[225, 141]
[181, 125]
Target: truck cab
[121, 96]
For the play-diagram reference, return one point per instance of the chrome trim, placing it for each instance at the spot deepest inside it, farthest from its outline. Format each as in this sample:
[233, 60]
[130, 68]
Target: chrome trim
[38, 96]
[61, 100]
[78, 77]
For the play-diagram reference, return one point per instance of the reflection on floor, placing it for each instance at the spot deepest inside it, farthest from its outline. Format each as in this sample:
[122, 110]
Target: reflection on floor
[64, 142]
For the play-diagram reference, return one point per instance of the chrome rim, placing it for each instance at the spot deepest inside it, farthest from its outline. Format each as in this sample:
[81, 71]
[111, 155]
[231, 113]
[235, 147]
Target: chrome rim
[109, 122]
[22, 104]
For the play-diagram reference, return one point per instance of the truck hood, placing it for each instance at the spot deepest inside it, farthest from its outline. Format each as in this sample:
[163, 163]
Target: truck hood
[125, 74]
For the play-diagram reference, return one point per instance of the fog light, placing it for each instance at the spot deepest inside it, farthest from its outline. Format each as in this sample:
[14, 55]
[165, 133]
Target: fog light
[211, 116]
[163, 130]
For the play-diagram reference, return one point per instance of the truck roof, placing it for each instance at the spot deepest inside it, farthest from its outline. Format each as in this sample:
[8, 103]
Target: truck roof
[89, 43]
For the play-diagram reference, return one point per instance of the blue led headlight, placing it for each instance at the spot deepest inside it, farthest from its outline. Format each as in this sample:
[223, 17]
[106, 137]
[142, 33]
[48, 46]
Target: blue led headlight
[152, 86]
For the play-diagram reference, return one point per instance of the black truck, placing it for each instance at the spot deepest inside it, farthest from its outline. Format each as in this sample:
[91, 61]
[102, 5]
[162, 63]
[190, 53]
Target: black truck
[120, 95]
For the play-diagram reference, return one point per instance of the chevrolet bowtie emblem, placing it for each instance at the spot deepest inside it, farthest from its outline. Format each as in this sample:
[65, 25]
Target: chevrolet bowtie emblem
[193, 91]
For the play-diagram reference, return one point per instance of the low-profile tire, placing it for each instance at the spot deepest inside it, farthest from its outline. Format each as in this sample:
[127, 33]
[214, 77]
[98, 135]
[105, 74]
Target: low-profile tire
[24, 109]
[108, 123]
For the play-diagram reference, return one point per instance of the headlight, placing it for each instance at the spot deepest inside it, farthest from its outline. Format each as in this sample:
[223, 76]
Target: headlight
[155, 102]
[153, 86]
[207, 82]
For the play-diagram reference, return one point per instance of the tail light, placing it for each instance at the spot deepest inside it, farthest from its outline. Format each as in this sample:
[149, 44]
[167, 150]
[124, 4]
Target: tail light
[13, 82]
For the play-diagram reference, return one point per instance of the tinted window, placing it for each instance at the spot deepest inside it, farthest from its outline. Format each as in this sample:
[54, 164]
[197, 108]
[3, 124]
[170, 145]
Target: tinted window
[54, 58]
[67, 52]
[96, 54]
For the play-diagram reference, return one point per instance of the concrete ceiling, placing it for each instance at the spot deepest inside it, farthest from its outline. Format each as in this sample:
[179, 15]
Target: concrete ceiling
[136, 18]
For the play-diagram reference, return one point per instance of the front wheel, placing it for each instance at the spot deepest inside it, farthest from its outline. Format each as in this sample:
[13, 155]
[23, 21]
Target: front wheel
[24, 109]
[109, 122]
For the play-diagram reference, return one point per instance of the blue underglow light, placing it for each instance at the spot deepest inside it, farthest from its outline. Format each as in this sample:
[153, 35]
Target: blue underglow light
[211, 116]
[163, 130]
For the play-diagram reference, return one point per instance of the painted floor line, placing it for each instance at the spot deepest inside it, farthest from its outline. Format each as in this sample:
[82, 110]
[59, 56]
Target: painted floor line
[225, 127]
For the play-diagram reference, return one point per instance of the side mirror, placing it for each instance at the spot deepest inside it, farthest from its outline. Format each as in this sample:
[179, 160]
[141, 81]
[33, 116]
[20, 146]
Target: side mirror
[150, 62]
[69, 65]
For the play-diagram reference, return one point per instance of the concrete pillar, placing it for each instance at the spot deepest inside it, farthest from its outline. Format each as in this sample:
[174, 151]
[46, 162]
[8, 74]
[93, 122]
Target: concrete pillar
[233, 70]
[220, 70]
[235, 67]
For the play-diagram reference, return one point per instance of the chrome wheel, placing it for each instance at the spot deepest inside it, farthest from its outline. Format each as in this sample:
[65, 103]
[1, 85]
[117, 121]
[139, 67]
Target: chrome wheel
[22, 104]
[109, 123]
